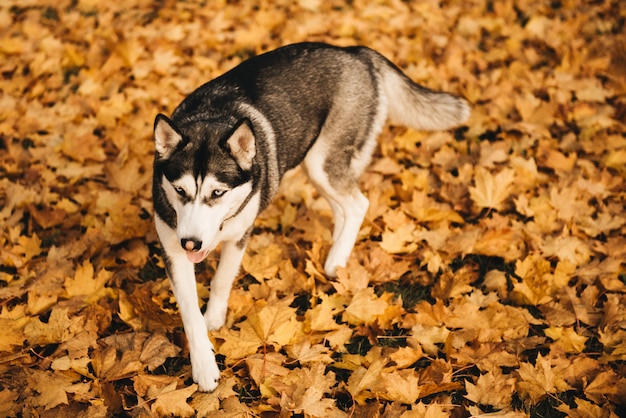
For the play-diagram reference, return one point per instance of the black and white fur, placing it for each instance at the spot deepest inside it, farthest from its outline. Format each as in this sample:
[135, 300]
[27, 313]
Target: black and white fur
[220, 157]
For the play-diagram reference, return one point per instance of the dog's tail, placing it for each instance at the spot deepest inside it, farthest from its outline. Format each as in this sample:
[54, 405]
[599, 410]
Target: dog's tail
[416, 106]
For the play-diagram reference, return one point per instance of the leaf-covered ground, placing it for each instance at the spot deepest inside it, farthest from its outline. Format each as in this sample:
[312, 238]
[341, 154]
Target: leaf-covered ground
[489, 276]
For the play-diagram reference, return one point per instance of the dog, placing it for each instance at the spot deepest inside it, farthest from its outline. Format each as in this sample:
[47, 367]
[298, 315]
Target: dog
[221, 155]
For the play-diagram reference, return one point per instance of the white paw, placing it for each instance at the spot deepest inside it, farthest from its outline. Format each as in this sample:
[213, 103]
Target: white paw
[334, 261]
[204, 370]
[215, 315]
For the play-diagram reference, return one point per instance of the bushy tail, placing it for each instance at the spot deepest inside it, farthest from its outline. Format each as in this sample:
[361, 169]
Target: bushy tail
[416, 106]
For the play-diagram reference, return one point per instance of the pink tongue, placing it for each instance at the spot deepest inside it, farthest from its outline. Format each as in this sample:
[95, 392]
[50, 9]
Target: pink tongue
[196, 256]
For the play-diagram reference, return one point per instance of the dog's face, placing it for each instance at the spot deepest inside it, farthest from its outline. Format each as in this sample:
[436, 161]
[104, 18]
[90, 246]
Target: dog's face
[206, 178]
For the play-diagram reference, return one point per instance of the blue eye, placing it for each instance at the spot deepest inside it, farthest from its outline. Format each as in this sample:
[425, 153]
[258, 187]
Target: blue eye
[218, 193]
[179, 190]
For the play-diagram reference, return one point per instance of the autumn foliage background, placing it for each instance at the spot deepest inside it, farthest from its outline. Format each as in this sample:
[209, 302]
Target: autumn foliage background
[489, 276]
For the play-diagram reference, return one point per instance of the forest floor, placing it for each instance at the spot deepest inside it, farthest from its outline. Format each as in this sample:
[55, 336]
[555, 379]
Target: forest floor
[489, 277]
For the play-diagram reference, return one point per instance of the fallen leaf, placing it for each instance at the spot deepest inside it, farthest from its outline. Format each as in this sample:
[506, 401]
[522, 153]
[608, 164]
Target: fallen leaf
[174, 403]
[491, 191]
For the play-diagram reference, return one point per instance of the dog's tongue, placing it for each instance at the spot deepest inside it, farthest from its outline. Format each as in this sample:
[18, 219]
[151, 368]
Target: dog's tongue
[196, 256]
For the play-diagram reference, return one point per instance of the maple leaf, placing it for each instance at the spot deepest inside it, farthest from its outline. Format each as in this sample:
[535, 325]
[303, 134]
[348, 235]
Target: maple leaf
[365, 307]
[174, 403]
[537, 381]
[275, 323]
[30, 247]
[80, 365]
[311, 384]
[321, 317]
[606, 384]
[491, 191]
[351, 279]
[399, 385]
[304, 352]
[81, 144]
[151, 386]
[584, 409]
[8, 405]
[59, 328]
[263, 367]
[207, 405]
[567, 247]
[492, 388]
[430, 410]
[12, 323]
[567, 338]
[50, 388]
[263, 258]
[364, 378]
[400, 239]
[127, 354]
[85, 284]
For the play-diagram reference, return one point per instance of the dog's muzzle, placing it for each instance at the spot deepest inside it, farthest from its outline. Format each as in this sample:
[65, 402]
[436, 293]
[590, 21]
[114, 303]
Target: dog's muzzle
[193, 249]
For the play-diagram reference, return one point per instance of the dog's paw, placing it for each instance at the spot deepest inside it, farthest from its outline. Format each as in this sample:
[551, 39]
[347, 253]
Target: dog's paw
[205, 372]
[215, 315]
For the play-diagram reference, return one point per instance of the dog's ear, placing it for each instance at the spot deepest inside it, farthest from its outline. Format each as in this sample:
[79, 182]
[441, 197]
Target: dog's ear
[166, 136]
[242, 144]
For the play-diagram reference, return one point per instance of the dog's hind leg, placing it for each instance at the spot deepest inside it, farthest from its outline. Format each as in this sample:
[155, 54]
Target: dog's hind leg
[353, 205]
[349, 208]
[230, 261]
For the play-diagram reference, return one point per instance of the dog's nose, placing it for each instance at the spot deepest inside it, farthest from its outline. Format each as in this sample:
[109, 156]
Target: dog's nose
[191, 244]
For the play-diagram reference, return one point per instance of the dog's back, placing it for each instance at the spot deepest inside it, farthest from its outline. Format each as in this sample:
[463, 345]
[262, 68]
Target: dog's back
[302, 93]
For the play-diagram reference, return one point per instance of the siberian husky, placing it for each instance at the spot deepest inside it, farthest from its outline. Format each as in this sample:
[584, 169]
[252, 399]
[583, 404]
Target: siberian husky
[221, 155]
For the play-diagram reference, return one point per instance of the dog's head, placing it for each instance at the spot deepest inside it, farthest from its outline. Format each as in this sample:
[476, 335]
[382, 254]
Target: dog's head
[206, 177]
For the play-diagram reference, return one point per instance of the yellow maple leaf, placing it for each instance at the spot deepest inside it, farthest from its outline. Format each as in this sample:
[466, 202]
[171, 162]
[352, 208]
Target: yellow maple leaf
[59, 328]
[352, 278]
[567, 338]
[174, 403]
[86, 285]
[263, 258]
[305, 352]
[399, 240]
[365, 307]
[585, 409]
[429, 410]
[399, 385]
[567, 248]
[492, 388]
[606, 384]
[537, 381]
[406, 356]
[79, 365]
[275, 323]
[491, 191]
[50, 388]
[12, 334]
[536, 285]
[322, 316]
[310, 385]
[80, 143]
[28, 246]
[266, 366]
[238, 344]
[364, 378]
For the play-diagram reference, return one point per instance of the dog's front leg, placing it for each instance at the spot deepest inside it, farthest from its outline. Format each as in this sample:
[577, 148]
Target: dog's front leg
[230, 261]
[203, 365]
